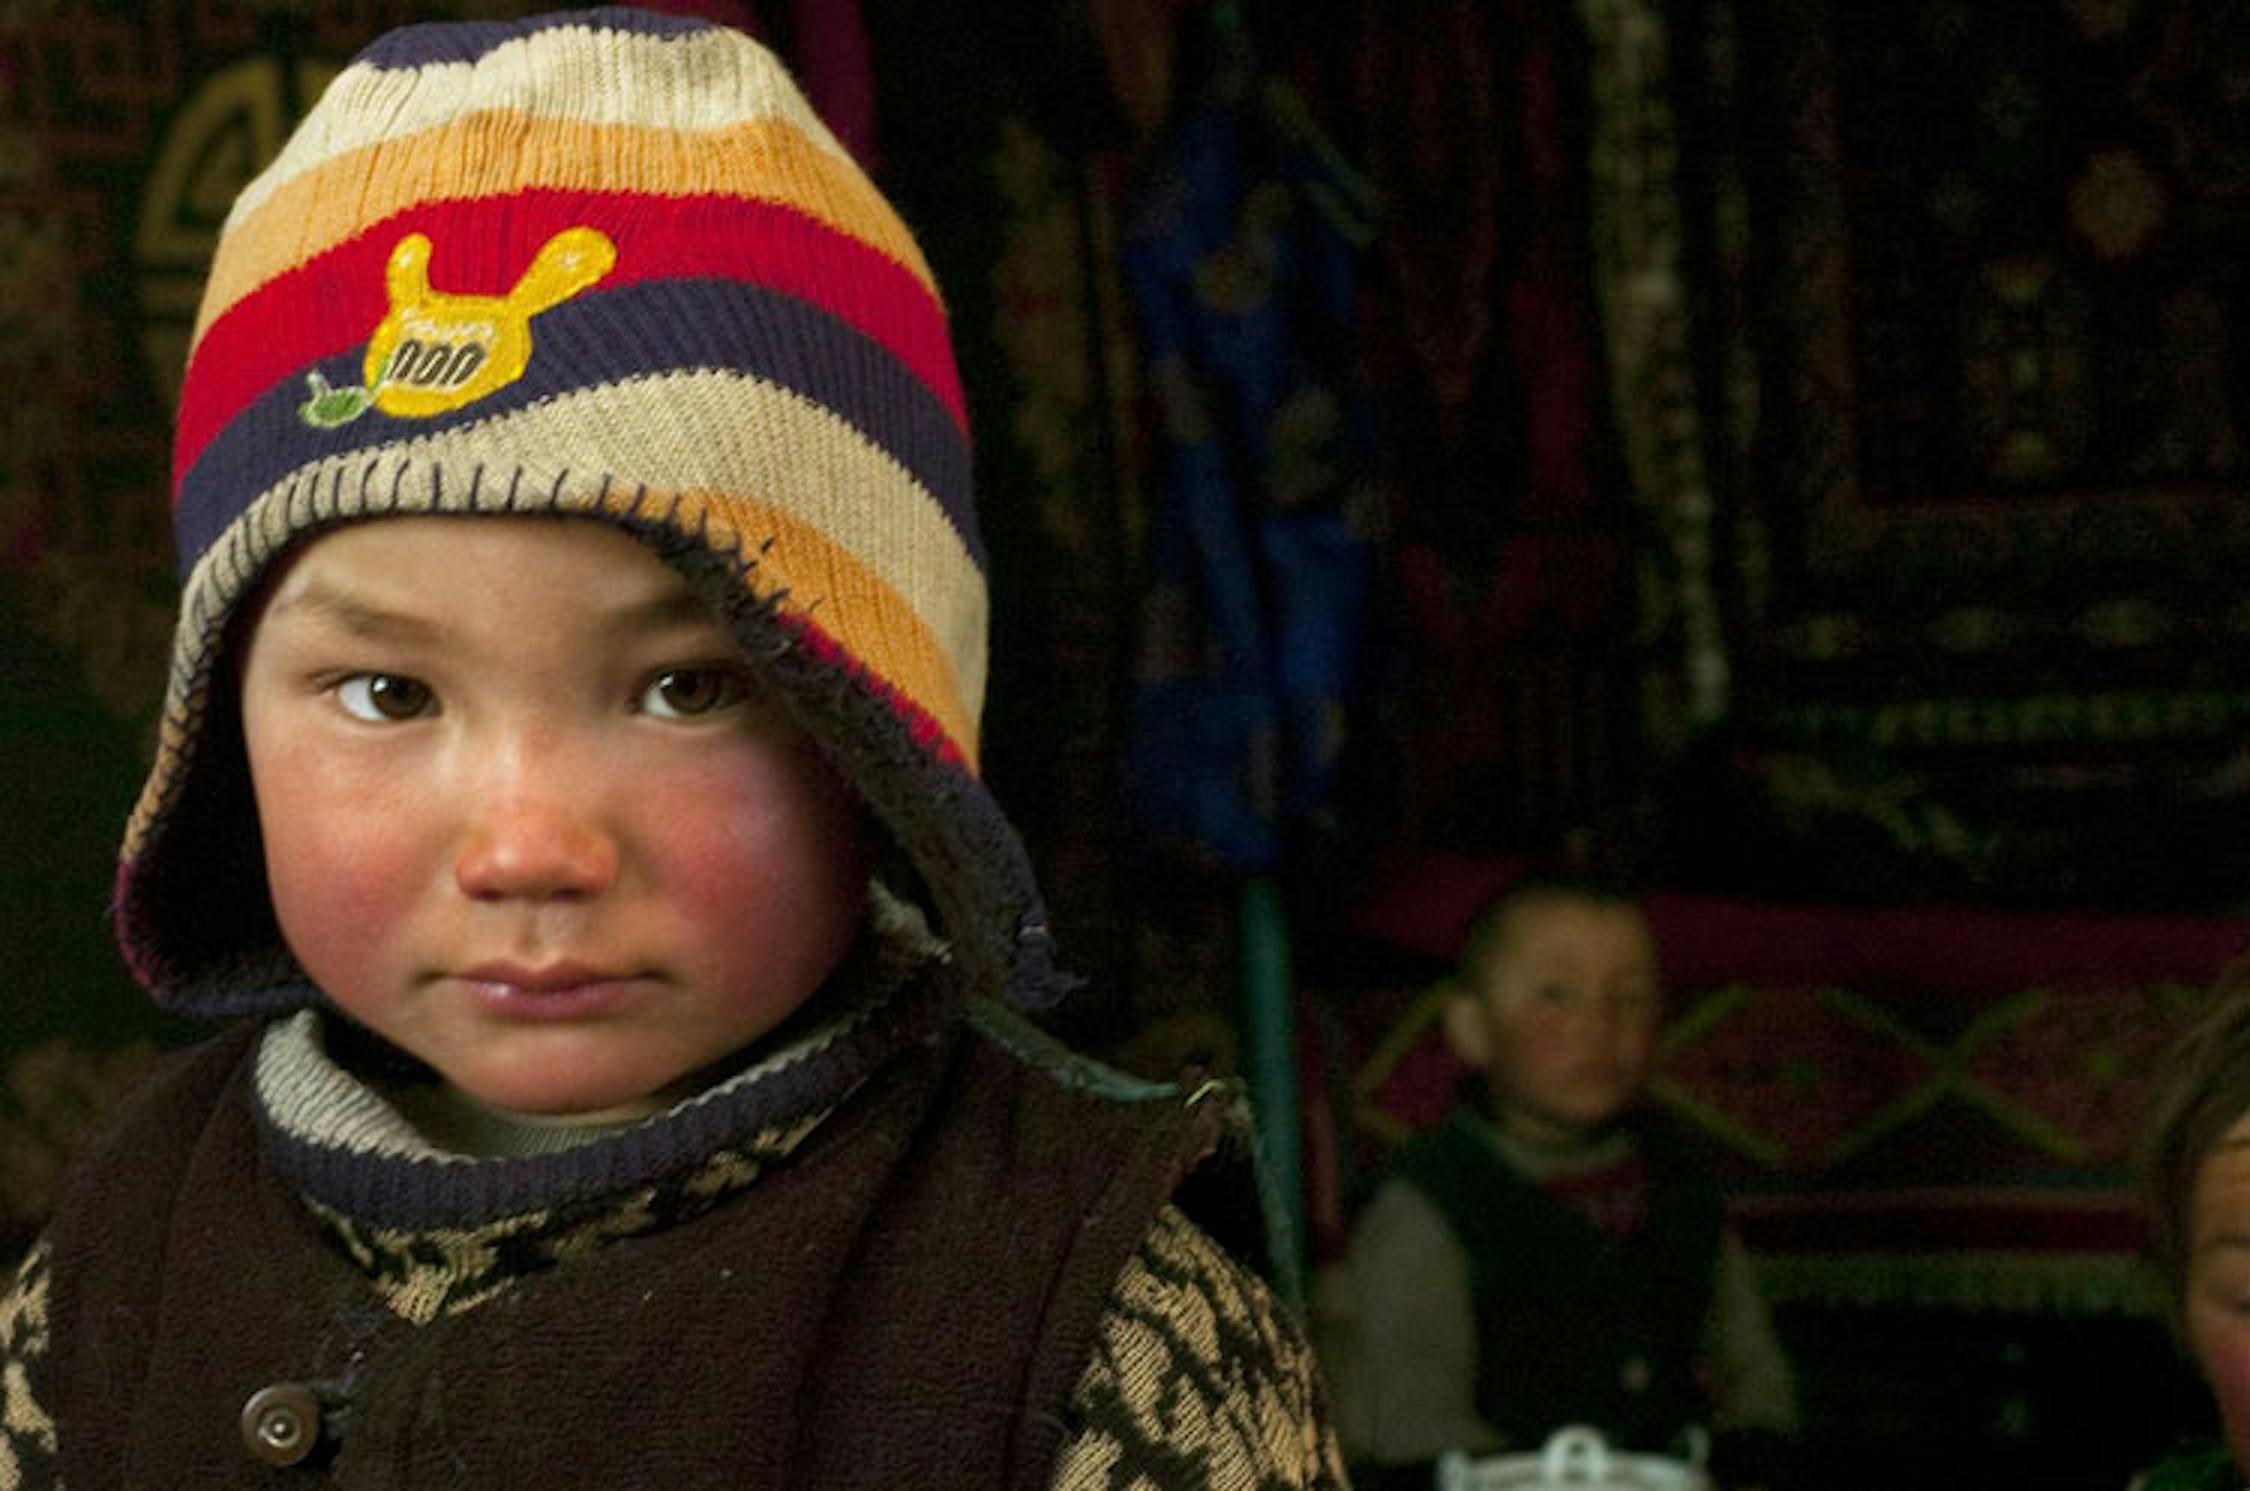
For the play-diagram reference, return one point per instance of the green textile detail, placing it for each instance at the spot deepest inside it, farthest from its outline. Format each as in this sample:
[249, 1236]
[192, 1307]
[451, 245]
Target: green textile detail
[1028, 1043]
[325, 408]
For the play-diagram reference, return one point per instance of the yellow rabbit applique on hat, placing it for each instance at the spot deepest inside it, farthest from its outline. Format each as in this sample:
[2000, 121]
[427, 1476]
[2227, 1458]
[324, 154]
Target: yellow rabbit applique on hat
[436, 352]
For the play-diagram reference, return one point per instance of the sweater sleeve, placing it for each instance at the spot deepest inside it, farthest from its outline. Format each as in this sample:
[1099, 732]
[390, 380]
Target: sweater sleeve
[1751, 1386]
[1199, 1378]
[1414, 1360]
[27, 1431]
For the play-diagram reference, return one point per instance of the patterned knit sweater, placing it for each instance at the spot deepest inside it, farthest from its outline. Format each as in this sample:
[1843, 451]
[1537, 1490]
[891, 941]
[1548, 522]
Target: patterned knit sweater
[1198, 1377]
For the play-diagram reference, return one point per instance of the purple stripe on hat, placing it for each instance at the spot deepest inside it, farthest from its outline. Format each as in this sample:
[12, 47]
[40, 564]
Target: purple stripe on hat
[466, 41]
[661, 326]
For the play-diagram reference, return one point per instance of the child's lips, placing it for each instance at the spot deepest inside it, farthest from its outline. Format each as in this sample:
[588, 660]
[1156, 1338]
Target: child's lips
[550, 991]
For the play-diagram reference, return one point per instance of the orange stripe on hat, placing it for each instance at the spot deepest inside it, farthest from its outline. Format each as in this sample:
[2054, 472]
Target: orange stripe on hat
[827, 585]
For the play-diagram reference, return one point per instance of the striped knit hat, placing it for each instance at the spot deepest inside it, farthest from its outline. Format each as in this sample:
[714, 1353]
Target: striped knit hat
[604, 264]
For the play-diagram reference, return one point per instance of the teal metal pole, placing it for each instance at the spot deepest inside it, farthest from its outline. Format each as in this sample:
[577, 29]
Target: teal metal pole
[1270, 1029]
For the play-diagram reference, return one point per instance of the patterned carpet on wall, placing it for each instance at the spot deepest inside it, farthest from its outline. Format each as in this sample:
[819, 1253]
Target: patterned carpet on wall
[1994, 631]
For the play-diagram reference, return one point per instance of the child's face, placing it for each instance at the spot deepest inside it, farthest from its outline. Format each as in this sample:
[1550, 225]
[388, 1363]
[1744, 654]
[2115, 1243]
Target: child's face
[526, 815]
[1561, 1013]
[2218, 1281]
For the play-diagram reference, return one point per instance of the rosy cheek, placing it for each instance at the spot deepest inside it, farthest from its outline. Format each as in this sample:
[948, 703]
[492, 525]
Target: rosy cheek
[776, 851]
[1637, 1049]
[337, 887]
[705, 872]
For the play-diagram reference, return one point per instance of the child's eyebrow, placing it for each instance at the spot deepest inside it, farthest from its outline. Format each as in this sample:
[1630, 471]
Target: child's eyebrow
[353, 614]
[671, 608]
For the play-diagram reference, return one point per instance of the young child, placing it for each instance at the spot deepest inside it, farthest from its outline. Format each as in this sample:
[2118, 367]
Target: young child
[1549, 1255]
[2195, 1193]
[569, 768]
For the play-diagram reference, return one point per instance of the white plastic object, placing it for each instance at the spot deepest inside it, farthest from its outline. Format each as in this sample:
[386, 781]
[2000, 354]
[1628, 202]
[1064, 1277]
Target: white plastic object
[1578, 1458]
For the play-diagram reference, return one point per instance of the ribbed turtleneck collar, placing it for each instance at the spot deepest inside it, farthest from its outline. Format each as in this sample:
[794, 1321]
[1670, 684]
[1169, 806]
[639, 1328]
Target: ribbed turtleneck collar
[1544, 1162]
[355, 1146]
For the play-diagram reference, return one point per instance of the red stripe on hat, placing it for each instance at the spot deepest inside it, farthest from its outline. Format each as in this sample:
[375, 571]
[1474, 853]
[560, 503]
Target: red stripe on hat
[480, 246]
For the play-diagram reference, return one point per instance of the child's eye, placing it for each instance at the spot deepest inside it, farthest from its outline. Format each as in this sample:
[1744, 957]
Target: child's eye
[684, 693]
[380, 698]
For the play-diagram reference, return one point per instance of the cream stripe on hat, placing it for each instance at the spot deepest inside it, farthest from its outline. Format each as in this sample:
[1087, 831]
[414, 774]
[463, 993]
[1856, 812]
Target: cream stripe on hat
[584, 76]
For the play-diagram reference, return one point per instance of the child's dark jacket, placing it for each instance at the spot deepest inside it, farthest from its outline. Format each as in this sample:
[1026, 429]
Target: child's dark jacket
[1574, 1326]
[913, 1298]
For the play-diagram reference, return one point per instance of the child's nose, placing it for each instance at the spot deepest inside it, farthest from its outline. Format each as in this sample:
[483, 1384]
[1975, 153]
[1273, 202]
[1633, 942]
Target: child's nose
[535, 846]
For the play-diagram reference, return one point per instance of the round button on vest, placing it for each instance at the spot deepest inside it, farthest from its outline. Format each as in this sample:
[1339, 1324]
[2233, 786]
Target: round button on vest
[281, 1424]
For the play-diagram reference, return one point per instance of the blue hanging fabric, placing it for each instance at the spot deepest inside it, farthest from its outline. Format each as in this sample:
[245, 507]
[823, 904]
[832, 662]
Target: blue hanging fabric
[1242, 262]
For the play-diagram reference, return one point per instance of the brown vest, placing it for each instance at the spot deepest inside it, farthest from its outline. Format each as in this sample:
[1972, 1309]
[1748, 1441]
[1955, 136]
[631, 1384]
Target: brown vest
[908, 1303]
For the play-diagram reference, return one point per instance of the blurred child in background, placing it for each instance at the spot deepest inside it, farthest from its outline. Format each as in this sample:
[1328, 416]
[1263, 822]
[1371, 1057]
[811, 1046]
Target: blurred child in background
[1550, 1254]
